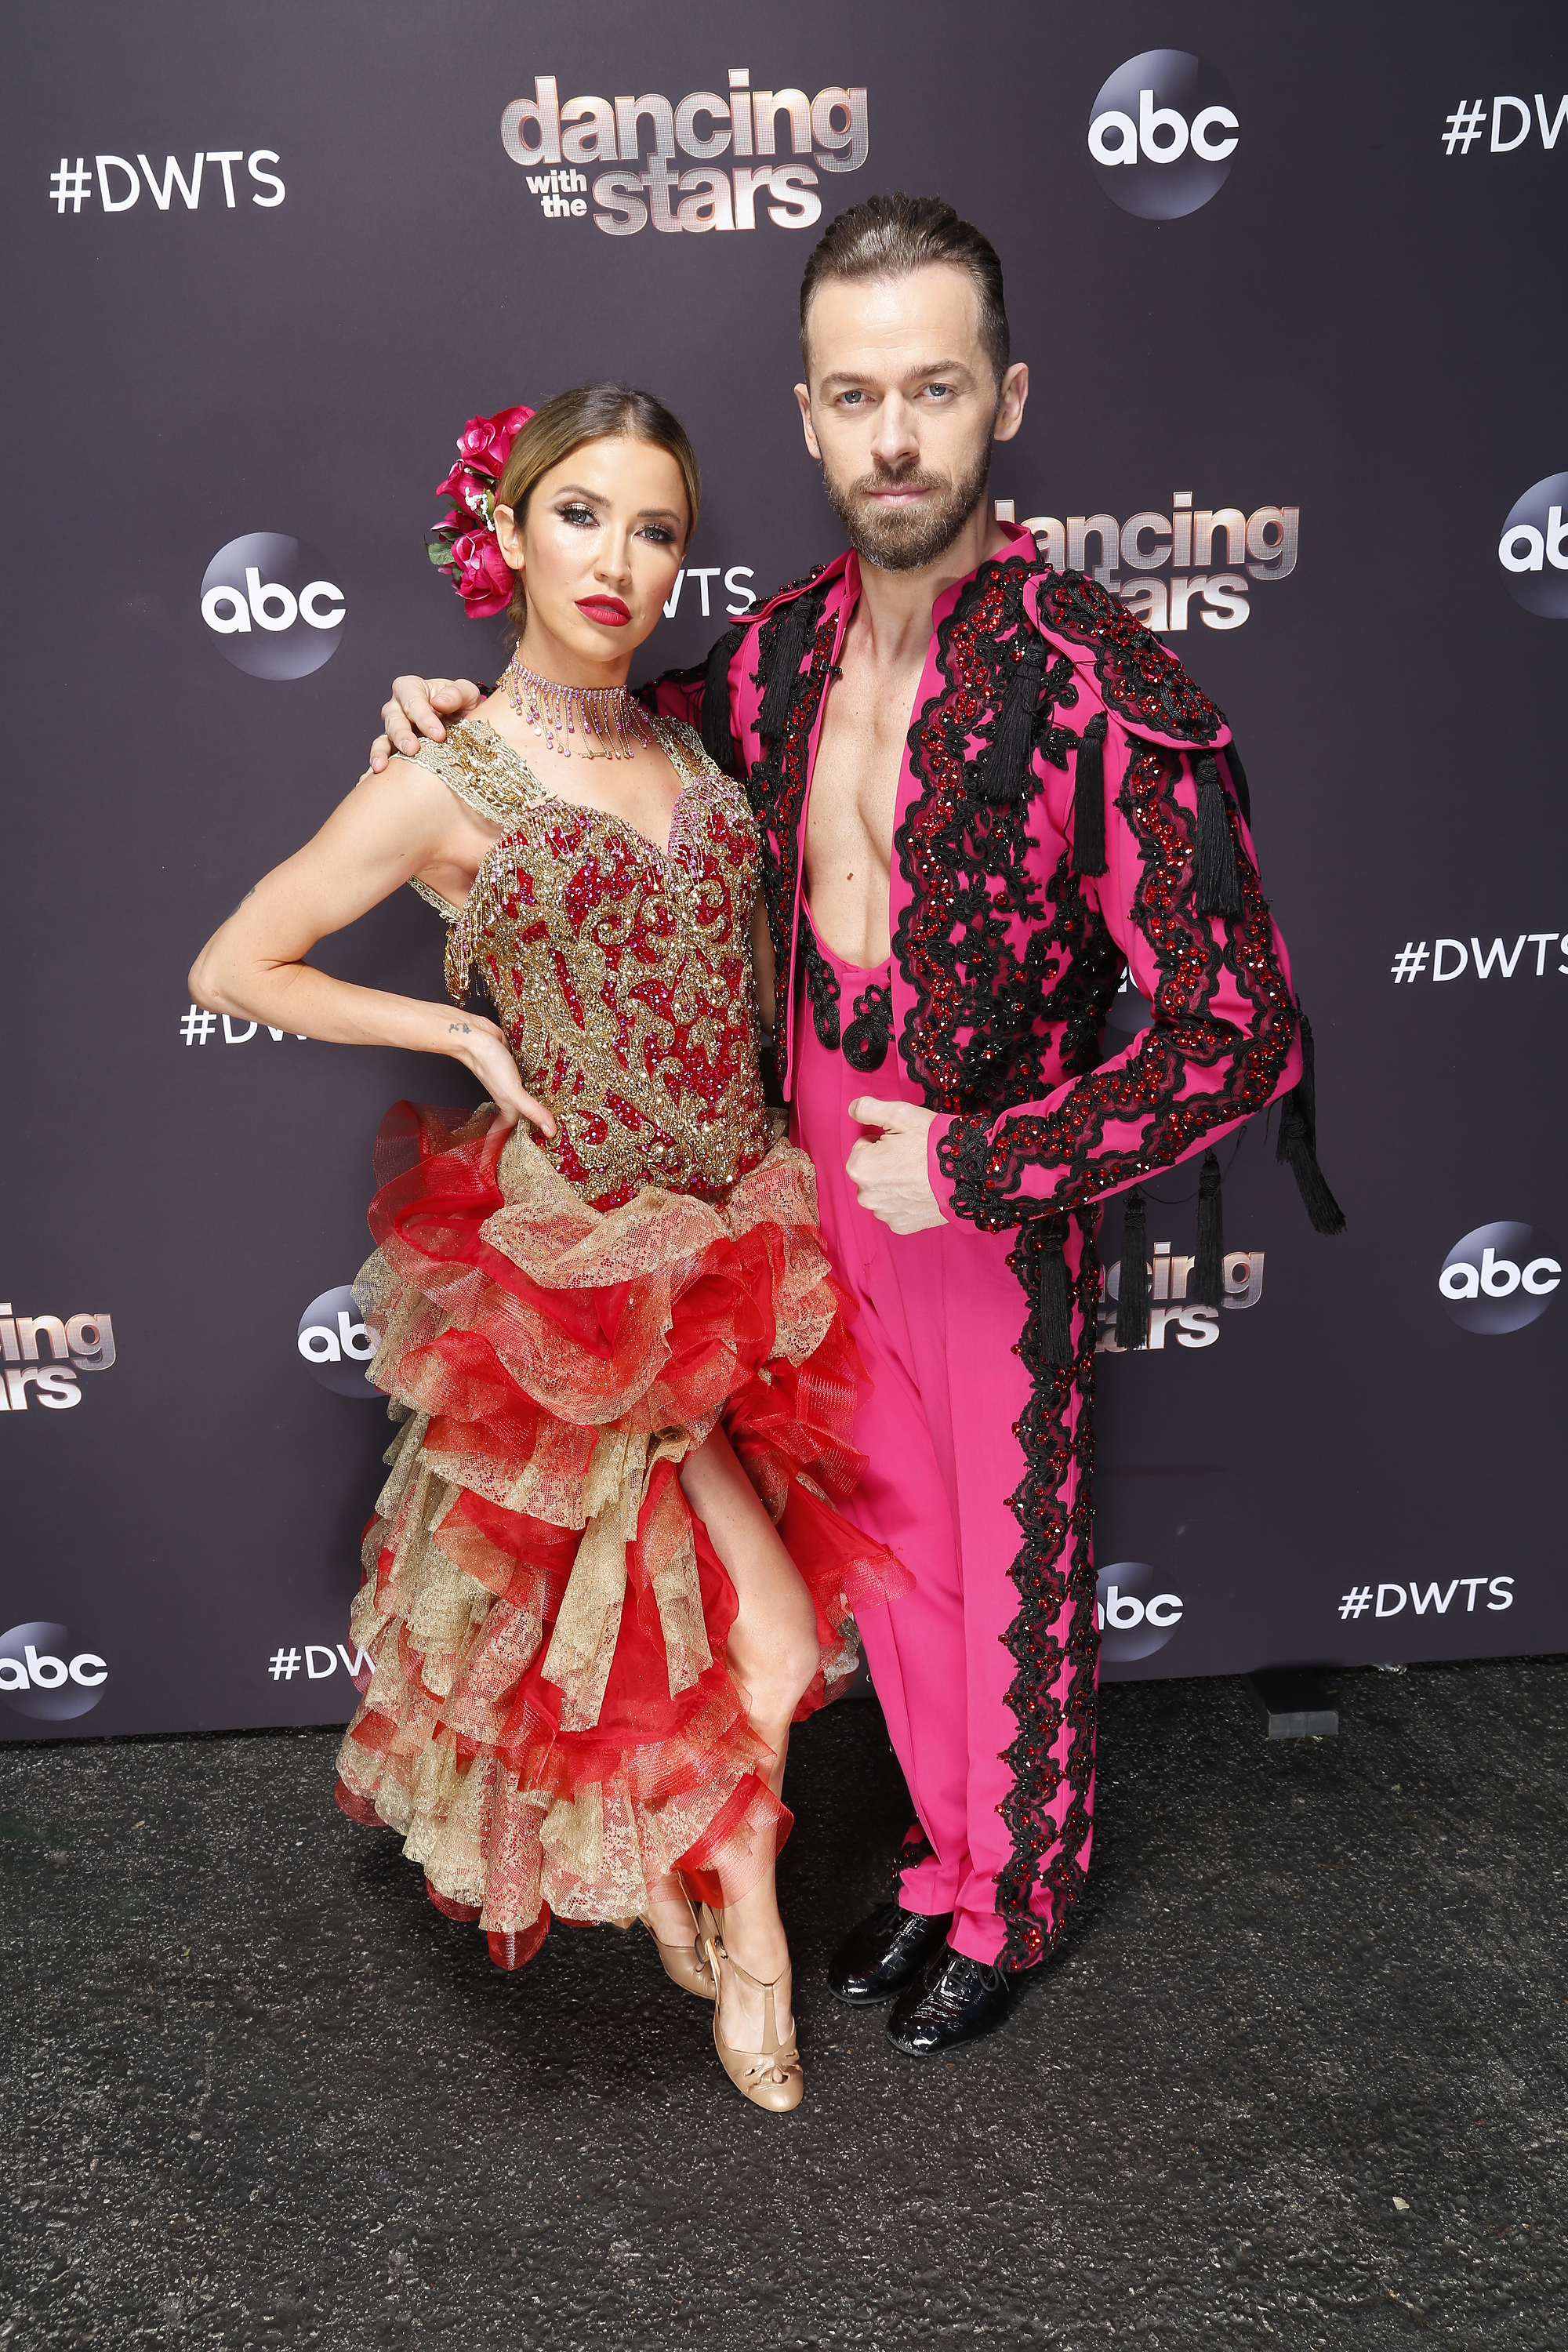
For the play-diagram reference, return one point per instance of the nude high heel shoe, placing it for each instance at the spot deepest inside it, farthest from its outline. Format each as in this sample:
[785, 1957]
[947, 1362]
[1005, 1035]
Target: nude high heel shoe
[686, 1965]
[751, 2071]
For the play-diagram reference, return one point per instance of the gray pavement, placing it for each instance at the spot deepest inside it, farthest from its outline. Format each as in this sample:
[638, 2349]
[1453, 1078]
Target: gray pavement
[1296, 2075]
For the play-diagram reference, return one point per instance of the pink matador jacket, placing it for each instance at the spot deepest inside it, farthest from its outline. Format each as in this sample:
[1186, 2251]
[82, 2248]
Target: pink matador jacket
[1070, 807]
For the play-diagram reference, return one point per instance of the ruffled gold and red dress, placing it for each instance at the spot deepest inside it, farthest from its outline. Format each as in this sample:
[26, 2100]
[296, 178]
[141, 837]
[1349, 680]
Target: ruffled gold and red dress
[550, 1723]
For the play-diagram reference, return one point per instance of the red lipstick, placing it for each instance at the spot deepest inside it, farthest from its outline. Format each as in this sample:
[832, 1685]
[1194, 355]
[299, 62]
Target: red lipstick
[608, 611]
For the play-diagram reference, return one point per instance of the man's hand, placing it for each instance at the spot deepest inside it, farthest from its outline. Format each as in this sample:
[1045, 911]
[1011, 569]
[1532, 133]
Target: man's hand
[889, 1173]
[417, 707]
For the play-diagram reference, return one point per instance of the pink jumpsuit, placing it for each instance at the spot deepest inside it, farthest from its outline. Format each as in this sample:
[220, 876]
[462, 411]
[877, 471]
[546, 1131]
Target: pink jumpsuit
[939, 1432]
[1060, 778]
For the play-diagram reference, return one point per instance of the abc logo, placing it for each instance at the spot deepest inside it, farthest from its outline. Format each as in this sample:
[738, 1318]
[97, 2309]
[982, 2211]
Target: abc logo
[268, 602]
[1135, 1617]
[1162, 134]
[1499, 1277]
[336, 1345]
[43, 1673]
[1533, 549]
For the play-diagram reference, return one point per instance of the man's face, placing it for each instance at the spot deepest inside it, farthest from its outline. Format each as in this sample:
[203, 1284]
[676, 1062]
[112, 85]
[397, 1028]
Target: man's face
[902, 408]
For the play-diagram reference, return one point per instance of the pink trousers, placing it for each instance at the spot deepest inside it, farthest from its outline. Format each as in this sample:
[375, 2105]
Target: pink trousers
[978, 1479]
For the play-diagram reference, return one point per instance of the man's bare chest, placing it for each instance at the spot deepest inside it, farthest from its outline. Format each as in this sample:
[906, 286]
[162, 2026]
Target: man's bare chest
[860, 752]
[853, 803]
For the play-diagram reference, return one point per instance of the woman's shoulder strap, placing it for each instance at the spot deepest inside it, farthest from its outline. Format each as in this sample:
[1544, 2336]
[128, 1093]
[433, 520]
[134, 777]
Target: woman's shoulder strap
[483, 770]
[684, 744]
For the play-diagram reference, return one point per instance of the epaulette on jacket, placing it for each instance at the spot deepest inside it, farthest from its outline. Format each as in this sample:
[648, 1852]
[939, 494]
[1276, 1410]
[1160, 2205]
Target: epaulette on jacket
[1139, 678]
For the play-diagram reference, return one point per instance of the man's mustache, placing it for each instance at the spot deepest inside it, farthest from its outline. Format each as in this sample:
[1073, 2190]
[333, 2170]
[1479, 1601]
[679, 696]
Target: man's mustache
[908, 478]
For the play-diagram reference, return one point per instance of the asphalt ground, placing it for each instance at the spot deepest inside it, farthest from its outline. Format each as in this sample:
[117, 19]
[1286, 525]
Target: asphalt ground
[1296, 2074]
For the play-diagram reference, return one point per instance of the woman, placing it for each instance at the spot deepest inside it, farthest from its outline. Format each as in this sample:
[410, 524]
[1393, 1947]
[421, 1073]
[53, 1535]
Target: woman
[603, 1577]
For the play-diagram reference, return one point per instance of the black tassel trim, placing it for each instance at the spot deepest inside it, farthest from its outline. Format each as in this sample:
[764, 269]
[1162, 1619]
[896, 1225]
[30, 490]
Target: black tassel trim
[1239, 784]
[1218, 886]
[1051, 1293]
[1305, 1091]
[798, 626]
[1298, 1144]
[1208, 1285]
[1009, 770]
[1089, 799]
[717, 740]
[1133, 1290]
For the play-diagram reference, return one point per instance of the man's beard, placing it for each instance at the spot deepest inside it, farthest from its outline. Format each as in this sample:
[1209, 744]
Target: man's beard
[902, 539]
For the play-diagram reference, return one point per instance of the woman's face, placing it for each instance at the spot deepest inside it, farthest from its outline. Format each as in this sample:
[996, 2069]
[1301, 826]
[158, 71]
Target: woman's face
[600, 545]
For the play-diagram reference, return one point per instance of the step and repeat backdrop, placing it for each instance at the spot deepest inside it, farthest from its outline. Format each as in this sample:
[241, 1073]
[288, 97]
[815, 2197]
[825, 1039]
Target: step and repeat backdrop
[1288, 283]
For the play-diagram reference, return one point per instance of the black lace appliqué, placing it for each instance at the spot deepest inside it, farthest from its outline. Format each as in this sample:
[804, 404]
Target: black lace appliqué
[1137, 678]
[868, 1036]
[987, 1021]
[864, 1039]
[1149, 1092]
[1053, 1638]
[916, 1848]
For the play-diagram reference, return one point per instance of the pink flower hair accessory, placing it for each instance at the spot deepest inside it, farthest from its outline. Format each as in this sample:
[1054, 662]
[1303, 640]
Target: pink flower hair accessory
[463, 544]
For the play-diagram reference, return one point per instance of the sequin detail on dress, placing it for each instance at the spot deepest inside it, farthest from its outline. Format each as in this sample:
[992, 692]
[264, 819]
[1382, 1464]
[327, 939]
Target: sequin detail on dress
[621, 973]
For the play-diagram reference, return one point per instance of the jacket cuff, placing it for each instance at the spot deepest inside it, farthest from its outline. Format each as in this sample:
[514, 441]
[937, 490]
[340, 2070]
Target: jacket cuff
[940, 1185]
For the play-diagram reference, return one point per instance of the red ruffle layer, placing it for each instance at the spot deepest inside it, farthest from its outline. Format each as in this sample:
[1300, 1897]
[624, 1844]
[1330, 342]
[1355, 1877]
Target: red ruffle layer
[515, 1374]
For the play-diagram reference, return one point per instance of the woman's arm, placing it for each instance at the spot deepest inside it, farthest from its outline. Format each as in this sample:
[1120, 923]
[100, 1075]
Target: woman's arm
[390, 828]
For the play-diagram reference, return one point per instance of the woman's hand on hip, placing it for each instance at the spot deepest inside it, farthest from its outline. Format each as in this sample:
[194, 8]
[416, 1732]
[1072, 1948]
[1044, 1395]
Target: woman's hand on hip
[480, 1045]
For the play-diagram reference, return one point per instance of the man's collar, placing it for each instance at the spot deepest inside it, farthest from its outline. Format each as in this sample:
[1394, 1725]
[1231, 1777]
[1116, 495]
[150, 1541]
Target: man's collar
[846, 568]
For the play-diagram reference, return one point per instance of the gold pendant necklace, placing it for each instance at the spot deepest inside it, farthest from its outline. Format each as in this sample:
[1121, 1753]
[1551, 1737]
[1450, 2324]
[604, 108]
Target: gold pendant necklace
[603, 714]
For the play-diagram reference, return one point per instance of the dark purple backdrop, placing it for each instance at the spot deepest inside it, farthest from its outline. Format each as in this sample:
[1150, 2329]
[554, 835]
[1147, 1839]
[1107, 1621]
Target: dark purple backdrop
[1361, 327]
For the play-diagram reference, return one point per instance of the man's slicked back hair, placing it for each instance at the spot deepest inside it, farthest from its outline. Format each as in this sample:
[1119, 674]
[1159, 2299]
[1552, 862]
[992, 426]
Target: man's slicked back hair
[889, 236]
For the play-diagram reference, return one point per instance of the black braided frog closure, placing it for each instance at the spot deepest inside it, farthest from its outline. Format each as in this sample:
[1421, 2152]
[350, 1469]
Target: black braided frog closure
[821, 987]
[869, 1035]
[986, 1022]
[864, 1039]
[1054, 1637]
[777, 785]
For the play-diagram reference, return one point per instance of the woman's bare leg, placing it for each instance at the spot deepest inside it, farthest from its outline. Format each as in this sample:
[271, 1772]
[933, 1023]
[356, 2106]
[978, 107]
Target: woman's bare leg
[772, 1654]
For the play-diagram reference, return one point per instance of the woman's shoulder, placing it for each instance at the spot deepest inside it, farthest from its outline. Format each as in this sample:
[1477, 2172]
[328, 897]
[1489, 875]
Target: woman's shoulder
[474, 763]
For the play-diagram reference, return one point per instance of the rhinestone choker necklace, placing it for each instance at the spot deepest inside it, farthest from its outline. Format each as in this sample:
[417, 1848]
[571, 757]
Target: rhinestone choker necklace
[596, 715]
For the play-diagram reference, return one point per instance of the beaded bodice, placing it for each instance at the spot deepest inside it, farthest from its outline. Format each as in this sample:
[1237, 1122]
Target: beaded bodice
[622, 974]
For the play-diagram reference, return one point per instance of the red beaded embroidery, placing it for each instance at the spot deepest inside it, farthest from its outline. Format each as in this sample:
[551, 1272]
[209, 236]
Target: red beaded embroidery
[622, 979]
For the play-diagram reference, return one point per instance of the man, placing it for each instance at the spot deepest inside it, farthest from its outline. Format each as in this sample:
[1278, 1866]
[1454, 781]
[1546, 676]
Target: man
[952, 905]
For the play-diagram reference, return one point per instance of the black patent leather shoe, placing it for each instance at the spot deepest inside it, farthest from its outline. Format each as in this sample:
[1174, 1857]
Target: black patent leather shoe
[885, 1953]
[957, 1999]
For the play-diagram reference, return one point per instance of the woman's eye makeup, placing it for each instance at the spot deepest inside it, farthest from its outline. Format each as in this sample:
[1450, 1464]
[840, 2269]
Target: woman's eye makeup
[583, 518]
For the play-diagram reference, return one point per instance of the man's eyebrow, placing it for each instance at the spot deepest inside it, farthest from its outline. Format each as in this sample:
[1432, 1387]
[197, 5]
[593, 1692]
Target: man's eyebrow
[848, 377]
[599, 498]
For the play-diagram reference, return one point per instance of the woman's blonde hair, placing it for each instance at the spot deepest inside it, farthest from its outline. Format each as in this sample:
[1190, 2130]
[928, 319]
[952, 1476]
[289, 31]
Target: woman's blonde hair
[590, 412]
